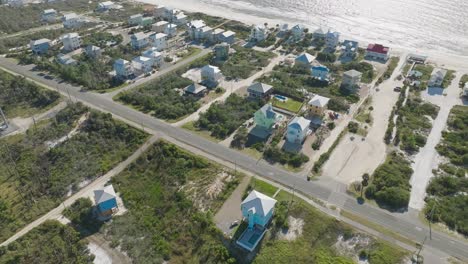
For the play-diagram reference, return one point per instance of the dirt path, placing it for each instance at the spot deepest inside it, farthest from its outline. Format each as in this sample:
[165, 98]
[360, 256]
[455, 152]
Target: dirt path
[231, 87]
[427, 158]
[85, 192]
[104, 253]
[74, 131]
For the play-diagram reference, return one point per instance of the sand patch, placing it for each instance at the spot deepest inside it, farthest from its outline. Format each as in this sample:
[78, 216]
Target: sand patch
[296, 226]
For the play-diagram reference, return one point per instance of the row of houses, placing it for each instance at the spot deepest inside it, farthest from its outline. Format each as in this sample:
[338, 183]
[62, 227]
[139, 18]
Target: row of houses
[142, 64]
[199, 31]
[142, 40]
[70, 41]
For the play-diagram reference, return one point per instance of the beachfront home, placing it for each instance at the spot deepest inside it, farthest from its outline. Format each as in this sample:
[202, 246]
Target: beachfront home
[377, 52]
[305, 60]
[349, 48]
[221, 51]
[206, 33]
[211, 75]
[40, 46]
[465, 90]
[107, 5]
[180, 19]
[257, 210]
[195, 29]
[146, 21]
[321, 73]
[159, 12]
[331, 40]
[159, 26]
[66, 60]
[93, 51]
[135, 20]
[156, 56]
[142, 65]
[170, 30]
[158, 40]
[260, 91]
[318, 105]
[139, 40]
[297, 32]
[258, 33]
[123, 69]
[196, 89]
[351, 80]
[228, 37]
[298, 130]
[71, 20]
[106, 201]
[414, 74]
[266, 117]
[437, 78]
[16, 3]
[319, 33]
[49, 15]
[71, 41]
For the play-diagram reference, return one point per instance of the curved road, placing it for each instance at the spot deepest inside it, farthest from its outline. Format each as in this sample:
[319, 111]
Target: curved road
[411, 229]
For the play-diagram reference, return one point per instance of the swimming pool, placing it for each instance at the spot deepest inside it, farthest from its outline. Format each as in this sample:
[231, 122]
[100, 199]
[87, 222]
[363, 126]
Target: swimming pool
[281, 98]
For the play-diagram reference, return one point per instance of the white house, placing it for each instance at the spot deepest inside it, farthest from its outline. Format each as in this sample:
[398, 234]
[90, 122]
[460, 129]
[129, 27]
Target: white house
[180, 19]
[377, 52]
[195, 29]
[170, 30]
[93, 51]
[297, 32]
[71, 41]
[123, 68]
[156, 56]
[318, 105]
[66, 60]
[49, 15]
[72, 20]
[211, 75]
[142, 64]
[159, 26]
[227, 37]
[159, 41]
[258, 33]
[305, 59]
[298, 130]
[139, 40]
[437, 78]
[331, 40]
[105, 6]
[135, 20]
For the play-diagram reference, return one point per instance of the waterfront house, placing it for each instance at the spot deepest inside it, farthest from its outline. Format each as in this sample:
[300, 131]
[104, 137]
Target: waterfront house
[437, 78]
[266, 117]
[142, 65]
[349, 48]
[158, 40]
[93, 51]
[71, 20]
[159, 26]
[465, 90]
[107, 5]
[66, 60]
[180, 19]
[106, 201]
[297, 32]
[196, 89]
[377, 52]
[156, 56]
[319, 33]
[318, 105]
[40, 46]
[146, 21]
[305, 60]
[298, 130]
[211, 75]
[257, 209]
[170, 30]
[139, 40]
[321, 73]
[351, 80]
[258, 33]
[217, 33]
[49, 15]
[159, 12]
[123, 68]
[195, 29]
[71, 41]
[221, 51]
[228, 37]
[16, 3]
[135, 20]
[331, 40]
[207, 33]
[260, 91]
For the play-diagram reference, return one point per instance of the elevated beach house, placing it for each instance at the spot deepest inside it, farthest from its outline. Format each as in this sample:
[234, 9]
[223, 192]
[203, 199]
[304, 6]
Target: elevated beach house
[304, 60]
[318, 105]
[106, 201]
[298, 129]
[260, 91]
[377, 52]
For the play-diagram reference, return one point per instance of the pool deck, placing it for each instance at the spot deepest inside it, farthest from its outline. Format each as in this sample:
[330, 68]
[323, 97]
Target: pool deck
[251, 237]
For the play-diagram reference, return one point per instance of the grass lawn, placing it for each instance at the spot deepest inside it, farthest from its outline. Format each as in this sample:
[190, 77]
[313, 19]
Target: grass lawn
[201, 132]
[262, 186]
[448, 78]
[289, 105]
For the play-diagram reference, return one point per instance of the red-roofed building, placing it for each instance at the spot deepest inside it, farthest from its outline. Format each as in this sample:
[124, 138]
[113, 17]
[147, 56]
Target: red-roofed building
[378, 52]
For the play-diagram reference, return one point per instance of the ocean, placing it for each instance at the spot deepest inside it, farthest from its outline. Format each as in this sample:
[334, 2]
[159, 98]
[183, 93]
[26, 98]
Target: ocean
[419, 25]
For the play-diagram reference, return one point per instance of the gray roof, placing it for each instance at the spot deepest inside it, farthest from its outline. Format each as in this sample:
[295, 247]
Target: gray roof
[40, 41]
[194, 88]
[259, 87]
[105, 194]
[352, 73]
[259, 203]
[305, 58]
[319, 101]
[301, 122]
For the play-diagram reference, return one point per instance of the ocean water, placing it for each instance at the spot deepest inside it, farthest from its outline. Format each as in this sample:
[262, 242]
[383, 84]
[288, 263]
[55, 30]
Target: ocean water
[419, 25]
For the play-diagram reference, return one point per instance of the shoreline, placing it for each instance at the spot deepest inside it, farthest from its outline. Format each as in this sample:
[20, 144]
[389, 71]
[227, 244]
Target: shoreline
[448, 60]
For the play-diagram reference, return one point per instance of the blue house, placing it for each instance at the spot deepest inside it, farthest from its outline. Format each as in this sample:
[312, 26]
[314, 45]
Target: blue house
[257, 210]
[106, 201]
[321, 73]
[40, 46]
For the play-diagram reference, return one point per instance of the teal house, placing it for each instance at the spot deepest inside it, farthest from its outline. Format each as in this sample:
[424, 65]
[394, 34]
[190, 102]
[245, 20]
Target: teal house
[106, 202]
[266, 117]
[257, 210]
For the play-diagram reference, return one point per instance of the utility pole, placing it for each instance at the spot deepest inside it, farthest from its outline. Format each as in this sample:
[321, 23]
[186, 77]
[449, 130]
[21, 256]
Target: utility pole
[430, 220]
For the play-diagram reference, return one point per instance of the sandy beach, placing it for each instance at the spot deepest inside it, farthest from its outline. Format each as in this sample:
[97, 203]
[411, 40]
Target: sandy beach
[443, 56]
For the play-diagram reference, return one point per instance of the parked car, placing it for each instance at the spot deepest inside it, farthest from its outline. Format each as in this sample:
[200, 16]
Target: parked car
[397, 89]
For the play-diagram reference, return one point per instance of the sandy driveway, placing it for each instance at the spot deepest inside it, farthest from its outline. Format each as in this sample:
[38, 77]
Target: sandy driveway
[427, 158]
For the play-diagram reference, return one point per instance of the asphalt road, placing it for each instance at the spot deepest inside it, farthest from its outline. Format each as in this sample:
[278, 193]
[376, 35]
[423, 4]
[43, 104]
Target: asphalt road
[411, 229]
